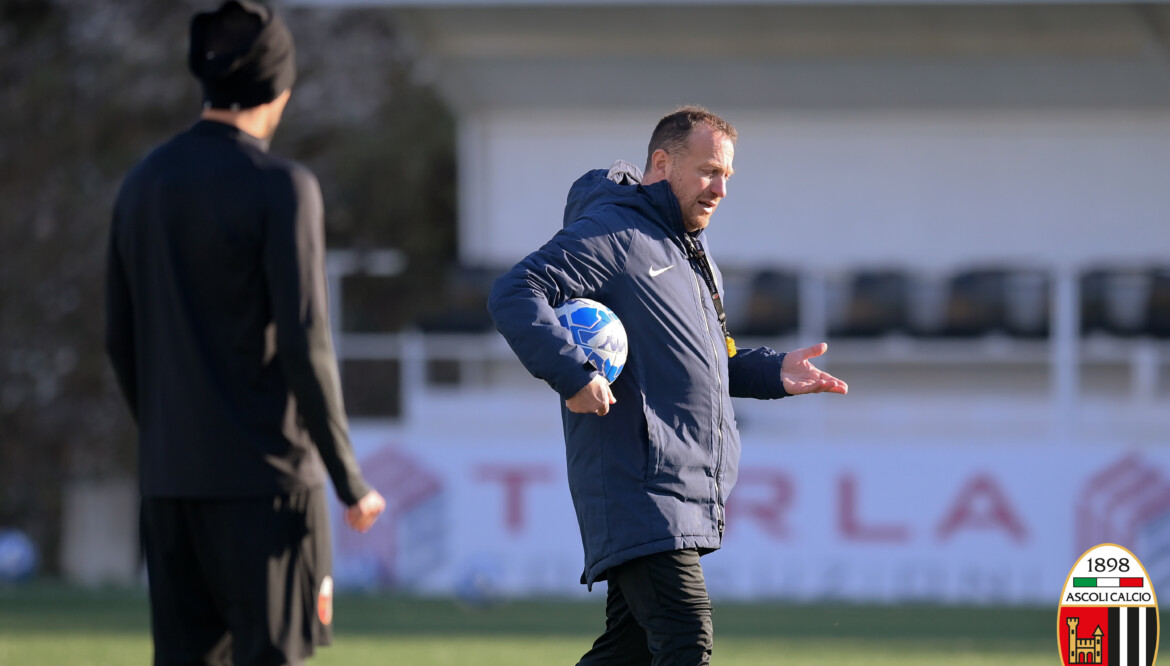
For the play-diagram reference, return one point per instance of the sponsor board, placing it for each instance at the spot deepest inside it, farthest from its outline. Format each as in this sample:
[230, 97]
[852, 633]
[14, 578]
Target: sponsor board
[961, 523]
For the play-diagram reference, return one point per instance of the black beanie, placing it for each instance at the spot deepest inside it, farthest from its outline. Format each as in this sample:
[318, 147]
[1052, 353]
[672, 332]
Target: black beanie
[243, 55]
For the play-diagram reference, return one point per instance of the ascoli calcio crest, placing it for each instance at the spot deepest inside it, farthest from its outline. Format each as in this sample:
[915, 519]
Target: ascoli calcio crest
[1108, 611]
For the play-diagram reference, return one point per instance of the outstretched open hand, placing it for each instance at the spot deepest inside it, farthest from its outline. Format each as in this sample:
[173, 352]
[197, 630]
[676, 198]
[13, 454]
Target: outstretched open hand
[802, 377]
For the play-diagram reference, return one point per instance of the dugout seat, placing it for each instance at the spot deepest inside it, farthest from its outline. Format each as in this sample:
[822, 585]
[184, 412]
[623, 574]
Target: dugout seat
[1027, 302]
[1117, 301]
[769, 306]
[876, 303]
[1158, 313]
[463, 303]
[1009, 301]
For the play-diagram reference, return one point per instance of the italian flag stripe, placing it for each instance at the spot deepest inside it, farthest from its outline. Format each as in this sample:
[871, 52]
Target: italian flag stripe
[1108, 582]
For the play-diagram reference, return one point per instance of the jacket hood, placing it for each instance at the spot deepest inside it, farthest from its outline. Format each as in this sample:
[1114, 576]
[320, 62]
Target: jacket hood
[594, 189]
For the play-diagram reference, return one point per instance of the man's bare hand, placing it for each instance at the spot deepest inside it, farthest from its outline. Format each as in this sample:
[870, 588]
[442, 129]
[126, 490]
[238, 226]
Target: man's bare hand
[362, 515]
[594, 398]
[801, 377]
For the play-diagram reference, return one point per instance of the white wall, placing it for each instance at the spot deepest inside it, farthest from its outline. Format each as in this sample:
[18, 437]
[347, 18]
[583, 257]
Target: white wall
[919, 189]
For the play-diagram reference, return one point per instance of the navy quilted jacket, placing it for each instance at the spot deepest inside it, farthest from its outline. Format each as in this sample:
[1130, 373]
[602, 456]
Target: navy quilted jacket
[652, 475]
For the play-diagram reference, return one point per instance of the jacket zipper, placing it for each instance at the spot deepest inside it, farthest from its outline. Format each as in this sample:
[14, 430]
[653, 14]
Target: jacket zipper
[719, 401]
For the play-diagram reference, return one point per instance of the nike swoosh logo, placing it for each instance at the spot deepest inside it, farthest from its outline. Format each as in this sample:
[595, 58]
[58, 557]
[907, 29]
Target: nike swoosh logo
[655, 272]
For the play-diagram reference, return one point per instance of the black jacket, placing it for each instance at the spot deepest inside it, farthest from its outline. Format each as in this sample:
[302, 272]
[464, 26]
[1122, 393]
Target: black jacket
[217, 322]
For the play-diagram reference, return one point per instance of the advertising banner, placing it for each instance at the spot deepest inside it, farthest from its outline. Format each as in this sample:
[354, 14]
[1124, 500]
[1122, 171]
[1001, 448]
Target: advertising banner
[953, 523]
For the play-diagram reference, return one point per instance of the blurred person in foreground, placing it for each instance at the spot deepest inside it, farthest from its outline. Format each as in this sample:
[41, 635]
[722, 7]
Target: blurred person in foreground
[652, 457]
[218, 332]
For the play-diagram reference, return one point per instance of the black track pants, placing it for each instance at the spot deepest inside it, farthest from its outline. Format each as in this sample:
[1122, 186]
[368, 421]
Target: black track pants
[657, 614]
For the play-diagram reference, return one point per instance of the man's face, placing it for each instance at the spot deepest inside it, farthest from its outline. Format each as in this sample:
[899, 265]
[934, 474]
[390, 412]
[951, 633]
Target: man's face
[698, 177]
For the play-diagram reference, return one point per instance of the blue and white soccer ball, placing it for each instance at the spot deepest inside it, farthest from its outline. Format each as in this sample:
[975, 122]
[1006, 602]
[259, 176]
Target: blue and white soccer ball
[18, 556]
[598, 332]
[480, 584]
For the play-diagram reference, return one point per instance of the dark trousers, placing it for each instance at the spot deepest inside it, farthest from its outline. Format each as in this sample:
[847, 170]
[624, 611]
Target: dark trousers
[657, 613]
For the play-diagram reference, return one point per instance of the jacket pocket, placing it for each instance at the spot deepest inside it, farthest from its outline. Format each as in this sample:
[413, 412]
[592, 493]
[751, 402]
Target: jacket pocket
[655, 435]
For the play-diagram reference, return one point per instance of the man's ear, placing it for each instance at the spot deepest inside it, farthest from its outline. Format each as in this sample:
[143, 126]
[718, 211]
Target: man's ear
[660, 162]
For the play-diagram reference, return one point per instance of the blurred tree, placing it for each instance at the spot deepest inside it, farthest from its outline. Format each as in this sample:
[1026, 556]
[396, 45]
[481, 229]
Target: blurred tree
[87, 87]
[383, 146]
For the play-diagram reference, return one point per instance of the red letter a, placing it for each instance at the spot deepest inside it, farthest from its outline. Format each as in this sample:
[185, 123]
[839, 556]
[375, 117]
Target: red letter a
[982, 505]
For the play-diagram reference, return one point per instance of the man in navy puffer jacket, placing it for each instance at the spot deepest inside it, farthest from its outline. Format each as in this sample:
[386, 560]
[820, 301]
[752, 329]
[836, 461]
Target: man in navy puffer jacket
[652, 457]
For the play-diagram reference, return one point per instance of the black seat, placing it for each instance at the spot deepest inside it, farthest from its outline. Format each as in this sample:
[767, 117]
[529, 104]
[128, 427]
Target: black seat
[1027, 302]
[772, 305]
[877, 303]
[1117, 301]
[976, 303]
[1158, 315]
[463, 306]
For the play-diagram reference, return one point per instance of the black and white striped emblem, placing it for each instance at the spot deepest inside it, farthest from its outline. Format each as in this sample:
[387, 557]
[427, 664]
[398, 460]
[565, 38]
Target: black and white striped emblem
[1108, 611]
[1134, 634]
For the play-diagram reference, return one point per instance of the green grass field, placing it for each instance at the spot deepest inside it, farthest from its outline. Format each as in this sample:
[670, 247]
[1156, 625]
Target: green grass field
[46, 625]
